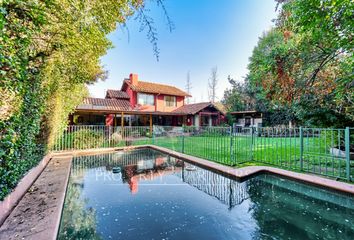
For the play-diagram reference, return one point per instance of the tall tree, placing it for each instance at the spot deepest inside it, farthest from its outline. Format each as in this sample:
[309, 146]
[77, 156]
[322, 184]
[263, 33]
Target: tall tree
[212, 84]
[188, 86]
[49, 51]
[303, 66]
[238, 98]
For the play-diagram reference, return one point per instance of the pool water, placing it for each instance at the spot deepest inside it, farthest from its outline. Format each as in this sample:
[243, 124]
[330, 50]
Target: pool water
[145, 194]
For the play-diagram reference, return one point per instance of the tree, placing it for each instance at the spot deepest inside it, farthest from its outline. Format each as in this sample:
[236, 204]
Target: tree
[327, 27]
[212, 84]
[237, 98]
[50, 50]
[188, 86]
[304, 65]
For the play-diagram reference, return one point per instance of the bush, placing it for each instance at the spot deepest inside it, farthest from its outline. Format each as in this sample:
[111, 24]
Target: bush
[81, 139]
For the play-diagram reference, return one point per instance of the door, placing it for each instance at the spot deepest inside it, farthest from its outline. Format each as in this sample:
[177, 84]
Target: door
[247, 121]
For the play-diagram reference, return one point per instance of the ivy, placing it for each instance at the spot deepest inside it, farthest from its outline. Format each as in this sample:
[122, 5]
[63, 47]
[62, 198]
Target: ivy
[49, 51]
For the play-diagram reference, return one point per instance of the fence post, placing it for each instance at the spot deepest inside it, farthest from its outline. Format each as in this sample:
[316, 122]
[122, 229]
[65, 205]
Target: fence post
[153, 135]
[301, 148]
[252, 144]
[347, 152]
[231, 146]
[183, 141]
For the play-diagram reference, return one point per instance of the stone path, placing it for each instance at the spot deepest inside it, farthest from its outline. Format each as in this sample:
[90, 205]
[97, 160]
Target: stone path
[37, 216]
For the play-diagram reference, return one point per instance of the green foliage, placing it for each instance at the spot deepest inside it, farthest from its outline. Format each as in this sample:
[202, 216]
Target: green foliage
[303, 67]
[237, 98]
[21, 114]
[324, 30]
[49, 51]
[75, 211]
[86, 139]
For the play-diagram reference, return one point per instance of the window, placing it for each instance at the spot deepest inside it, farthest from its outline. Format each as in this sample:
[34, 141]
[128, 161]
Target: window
[170, 101]
[146, 99]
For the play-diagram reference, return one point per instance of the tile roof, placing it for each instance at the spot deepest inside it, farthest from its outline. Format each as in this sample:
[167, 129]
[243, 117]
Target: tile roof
[244, 112]
[117, 94]
[158, 88]
[104, 104]
[192, 108]
[221, 107]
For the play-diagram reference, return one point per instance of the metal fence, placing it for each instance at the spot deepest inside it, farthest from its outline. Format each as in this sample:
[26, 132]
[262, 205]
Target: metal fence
[89, 137]
[315, 150]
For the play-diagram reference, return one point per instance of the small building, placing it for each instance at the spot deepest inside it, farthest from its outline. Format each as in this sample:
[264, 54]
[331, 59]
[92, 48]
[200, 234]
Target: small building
[248, 118]
[140, 103]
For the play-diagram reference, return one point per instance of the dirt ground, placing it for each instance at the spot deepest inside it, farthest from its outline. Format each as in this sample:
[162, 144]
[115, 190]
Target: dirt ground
[37, 216]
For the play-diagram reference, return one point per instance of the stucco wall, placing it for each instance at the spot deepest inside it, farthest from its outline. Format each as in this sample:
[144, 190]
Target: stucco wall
[254, 122]
[160, 103]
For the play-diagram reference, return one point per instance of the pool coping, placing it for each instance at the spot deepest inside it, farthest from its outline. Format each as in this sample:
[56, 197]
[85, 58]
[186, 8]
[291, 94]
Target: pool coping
[14, 198]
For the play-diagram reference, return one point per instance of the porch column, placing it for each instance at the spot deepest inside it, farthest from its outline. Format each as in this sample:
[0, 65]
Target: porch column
[122, 123]
[150, 124]
[210, 121]
[200, 123]
[122, 120]
[109, 119]
[196, 121]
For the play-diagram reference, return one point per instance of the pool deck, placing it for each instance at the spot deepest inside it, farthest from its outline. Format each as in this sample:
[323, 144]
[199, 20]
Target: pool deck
[33, 209]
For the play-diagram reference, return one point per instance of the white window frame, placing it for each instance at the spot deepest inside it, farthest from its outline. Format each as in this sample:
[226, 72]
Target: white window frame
[145, 97]
[167, 103]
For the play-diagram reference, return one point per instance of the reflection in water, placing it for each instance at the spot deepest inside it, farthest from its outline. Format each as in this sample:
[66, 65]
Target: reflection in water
[226, 190]
[156, 196]
[78, 222]
[307, 212]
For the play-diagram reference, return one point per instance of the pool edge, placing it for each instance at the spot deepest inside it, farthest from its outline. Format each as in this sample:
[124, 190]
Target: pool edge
[240, 174]
[245, 173]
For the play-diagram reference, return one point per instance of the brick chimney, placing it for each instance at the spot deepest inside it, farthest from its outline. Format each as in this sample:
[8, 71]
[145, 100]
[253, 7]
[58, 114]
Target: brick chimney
[133, 78]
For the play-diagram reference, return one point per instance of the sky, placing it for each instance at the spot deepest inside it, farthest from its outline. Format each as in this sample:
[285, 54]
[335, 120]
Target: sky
[207, 33]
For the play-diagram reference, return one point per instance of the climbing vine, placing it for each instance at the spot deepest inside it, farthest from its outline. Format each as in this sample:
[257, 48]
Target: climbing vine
[49, 51]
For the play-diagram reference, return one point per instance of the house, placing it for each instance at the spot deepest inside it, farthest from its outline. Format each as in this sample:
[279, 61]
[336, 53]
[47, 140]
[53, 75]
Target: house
[140, 103]
[248, 118]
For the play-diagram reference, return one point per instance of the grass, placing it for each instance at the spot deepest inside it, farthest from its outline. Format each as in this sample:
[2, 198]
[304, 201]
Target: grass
[281, 152]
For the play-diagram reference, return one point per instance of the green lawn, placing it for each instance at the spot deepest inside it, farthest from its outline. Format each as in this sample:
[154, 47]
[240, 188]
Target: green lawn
[282, 152]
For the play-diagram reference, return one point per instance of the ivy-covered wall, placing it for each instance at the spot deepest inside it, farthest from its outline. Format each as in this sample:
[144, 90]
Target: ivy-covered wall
[49, 51]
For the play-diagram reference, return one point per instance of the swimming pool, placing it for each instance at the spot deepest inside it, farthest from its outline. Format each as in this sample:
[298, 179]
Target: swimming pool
[145, 194]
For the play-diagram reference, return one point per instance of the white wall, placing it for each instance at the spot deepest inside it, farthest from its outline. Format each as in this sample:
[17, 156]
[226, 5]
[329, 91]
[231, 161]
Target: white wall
[196, 120]
[241, 122]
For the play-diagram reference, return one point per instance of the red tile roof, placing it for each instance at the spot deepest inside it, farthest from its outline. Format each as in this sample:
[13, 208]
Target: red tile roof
[148, 87]
[192, 108]
[117, 94]
[104, 104]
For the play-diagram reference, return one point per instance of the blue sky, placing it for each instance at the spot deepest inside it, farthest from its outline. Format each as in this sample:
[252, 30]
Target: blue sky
[207, 33]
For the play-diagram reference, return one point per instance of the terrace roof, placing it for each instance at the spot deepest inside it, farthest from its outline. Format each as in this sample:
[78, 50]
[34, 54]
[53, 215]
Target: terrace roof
[104, 104]
[195, 107]
[244, 112]
[117, 94]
